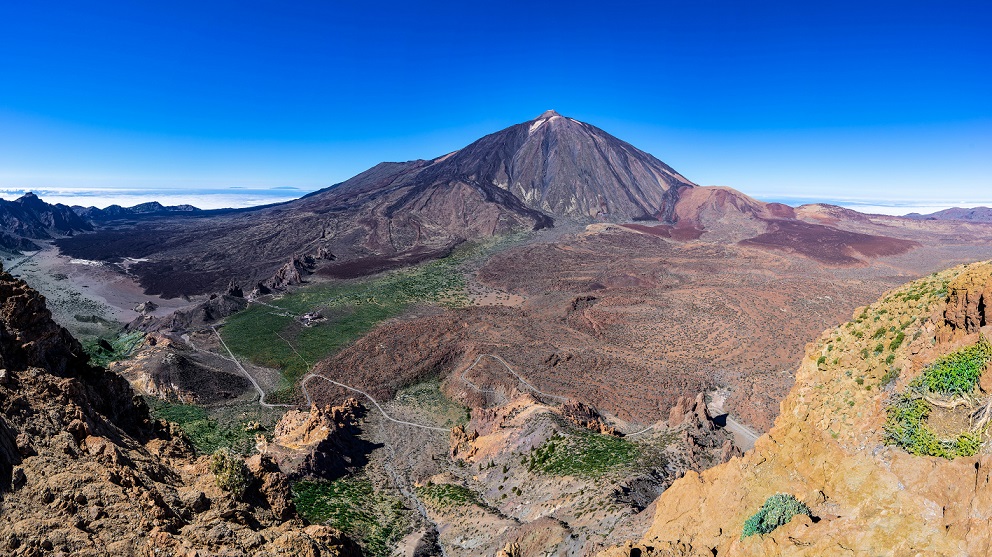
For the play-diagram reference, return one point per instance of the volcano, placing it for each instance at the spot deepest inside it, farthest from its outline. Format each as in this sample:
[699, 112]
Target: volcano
[528, 176]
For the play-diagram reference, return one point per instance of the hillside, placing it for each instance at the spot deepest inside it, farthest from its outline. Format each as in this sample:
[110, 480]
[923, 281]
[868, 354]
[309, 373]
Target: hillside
[873, 398]
[84, 469]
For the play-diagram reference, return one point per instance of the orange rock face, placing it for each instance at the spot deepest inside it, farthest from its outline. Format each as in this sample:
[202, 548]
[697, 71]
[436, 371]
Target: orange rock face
[969, 304]
[827, 448]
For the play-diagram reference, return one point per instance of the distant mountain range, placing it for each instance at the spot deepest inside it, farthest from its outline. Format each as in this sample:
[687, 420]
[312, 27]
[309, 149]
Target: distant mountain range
[151, 208]
[28, 219]
[975, 214]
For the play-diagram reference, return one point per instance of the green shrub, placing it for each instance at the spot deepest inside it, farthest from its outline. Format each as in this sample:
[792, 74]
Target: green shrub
[897, 342]
[957, 373]
[230, 472]
[205, 432]
[879, 333]
[905, 426]
[372, 516]
[104, 351]
[777, 511]
[953, 375]
[890, 375]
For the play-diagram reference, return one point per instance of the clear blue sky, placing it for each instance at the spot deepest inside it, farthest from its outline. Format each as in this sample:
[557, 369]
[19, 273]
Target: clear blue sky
[866, 99]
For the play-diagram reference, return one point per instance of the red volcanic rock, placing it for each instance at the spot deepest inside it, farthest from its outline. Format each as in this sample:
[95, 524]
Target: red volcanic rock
[969, 298]
[290, 274]
[84, 470]
[690, 411]
[586, 416]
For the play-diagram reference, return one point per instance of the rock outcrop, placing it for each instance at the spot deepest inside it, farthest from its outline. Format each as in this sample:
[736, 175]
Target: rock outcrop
[85, 471]
[586, 416]
[320, 443]
[198, 316]
[828, 448]
[969, 303]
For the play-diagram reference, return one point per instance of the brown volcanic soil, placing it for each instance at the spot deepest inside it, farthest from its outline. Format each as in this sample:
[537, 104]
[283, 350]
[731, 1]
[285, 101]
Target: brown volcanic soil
[629, 321]
[827, 244]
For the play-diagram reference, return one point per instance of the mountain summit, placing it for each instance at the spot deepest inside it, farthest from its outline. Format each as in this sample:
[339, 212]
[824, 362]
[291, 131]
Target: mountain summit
[567, 169]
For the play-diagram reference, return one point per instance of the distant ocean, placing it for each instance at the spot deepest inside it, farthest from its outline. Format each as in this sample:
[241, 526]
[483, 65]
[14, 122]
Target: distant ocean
[217, 198]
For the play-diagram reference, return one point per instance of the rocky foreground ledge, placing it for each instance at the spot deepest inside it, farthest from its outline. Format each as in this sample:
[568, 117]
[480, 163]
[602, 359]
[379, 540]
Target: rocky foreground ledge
[85, 471]
[832, 447]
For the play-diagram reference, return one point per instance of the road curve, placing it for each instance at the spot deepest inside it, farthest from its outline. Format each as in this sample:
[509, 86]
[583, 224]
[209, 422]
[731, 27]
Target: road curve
[303, 387]
[261, 393]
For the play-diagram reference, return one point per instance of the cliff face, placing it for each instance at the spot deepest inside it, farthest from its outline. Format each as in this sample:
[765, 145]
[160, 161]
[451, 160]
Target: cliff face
[828, 446]
[84, 470]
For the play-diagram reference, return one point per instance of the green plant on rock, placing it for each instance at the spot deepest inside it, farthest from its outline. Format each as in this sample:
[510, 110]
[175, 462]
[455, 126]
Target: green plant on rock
[958, 372]
[230, 471]
[777, 511]
[954, 376]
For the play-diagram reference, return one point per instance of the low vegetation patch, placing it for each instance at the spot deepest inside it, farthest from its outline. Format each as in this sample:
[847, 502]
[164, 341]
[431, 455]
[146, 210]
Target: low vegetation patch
[375, 519]
[427, 396]
[272, 336]
[207, 434]
[957, 373]
[777, 511]
[443, 496]
[103, 351]
[950, 382]
[582, 453]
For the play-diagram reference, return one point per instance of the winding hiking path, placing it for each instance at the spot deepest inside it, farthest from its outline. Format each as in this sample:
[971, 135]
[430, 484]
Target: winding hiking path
[261, 393]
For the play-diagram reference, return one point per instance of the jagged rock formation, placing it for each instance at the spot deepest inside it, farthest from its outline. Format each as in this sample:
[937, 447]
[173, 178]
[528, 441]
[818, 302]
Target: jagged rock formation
[29, 218]
[320, 443]
[85, 471]
[522, 505]
[199, 316]
[969, 304]
[586, 416]
[828, 449]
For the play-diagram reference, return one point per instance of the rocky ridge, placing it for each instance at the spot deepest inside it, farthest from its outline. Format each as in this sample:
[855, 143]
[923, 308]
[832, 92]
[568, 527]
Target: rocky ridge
[828, 449]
